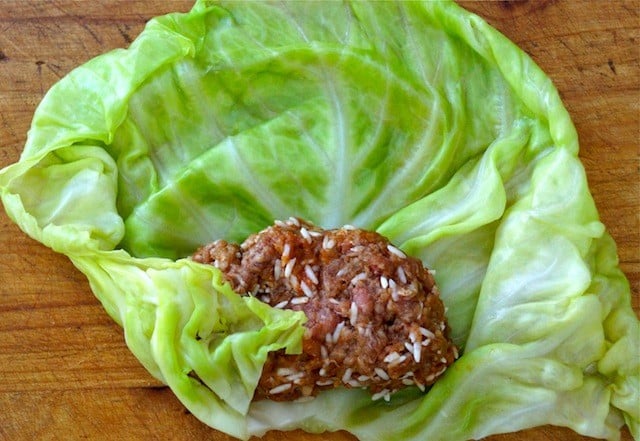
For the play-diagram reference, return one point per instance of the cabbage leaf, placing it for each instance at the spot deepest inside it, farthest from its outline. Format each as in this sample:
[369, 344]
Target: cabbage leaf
[415, 119]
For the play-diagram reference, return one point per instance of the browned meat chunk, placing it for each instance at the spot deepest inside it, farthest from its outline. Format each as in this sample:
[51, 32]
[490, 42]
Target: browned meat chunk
[375, 319]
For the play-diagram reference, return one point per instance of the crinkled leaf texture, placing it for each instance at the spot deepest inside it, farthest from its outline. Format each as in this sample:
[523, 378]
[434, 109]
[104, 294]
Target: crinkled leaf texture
[414, 119]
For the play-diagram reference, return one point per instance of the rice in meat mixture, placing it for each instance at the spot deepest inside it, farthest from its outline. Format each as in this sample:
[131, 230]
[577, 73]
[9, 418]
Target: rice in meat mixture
[375, 319]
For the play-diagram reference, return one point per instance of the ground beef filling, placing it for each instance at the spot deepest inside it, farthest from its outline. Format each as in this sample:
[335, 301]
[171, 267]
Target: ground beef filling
[375, 319]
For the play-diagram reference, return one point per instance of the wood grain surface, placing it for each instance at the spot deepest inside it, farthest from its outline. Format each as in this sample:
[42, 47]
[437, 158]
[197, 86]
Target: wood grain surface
[65, 372]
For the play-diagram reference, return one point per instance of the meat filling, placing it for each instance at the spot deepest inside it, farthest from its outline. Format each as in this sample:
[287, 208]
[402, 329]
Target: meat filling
[374, 316]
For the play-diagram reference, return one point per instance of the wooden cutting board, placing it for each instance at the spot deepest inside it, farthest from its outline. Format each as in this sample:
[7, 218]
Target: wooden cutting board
[65, 372]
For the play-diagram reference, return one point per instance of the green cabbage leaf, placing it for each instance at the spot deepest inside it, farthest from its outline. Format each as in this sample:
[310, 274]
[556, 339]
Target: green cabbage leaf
[415, 119]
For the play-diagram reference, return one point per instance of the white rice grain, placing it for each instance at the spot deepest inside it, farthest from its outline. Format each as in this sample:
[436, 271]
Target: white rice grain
[283, 372]
[353, 314]
[311, 275]
[381, 373]
[417, 352]
[337, 332]
[391, 357]
[296, 377]
[397, 251]
[282, 304]
[328, 243]
[358, 277]
[277, 269]
[398, 360]
[402, 276]
[394, 290]
[426, 332]
[288, 269]
[381, 394]
[305, 289]
[281, 388]
[347, 375]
